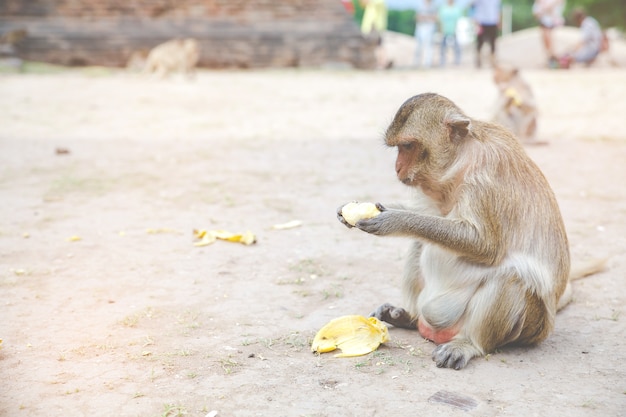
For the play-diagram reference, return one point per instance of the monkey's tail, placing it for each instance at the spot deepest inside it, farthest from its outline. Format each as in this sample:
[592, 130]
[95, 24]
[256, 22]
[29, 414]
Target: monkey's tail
[584, 269]
[578, 271]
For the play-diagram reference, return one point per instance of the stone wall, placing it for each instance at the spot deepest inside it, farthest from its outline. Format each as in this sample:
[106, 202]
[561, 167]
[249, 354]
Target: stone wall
[232, 33]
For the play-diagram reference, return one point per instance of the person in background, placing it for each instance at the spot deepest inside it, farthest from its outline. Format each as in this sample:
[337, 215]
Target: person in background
[449, 15]
[374, 23]
[591, 42]
[549, 13]
[425, 28]
[487, 17]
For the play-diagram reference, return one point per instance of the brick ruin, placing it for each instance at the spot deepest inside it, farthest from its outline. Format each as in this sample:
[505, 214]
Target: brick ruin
[232, 33]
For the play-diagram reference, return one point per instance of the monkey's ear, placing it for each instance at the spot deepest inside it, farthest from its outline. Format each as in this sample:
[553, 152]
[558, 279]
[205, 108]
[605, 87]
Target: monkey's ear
[458, 127]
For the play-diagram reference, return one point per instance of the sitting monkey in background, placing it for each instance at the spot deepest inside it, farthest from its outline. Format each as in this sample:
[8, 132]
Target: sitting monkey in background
[175, 55]
[490, 261]
[515, 107]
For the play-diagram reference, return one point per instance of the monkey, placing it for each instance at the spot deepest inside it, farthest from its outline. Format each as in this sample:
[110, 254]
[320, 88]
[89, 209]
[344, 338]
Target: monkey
[490, 259]
[174, 55]
[515, 107]
[137, 60]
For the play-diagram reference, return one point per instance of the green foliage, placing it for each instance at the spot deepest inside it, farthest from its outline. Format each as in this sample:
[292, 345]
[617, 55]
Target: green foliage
[402, 21]
[610, 13]
[358, 12]
[522, 14]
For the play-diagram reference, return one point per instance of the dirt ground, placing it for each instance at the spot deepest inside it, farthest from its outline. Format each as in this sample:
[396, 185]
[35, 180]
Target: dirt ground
[134, 320]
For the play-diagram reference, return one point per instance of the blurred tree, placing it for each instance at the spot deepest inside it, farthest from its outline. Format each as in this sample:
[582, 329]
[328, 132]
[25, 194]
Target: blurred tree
[610, 13]
[402, 21]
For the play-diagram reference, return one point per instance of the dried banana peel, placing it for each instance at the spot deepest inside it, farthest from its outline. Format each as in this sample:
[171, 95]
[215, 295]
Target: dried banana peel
[206, 237]
[354, 335]
[288, 225]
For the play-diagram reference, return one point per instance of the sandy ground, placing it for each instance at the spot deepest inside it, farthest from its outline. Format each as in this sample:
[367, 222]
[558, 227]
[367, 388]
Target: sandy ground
[134, 320]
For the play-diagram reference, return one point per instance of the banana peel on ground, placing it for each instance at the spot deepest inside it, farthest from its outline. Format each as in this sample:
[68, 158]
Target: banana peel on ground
[354, 335]
[206, 237]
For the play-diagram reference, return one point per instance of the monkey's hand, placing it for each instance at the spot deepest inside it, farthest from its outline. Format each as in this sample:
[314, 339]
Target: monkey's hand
[386, 223]
[396, 316]
[340, 217]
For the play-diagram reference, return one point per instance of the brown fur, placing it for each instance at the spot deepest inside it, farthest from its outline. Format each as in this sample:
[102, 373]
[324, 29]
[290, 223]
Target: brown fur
[515, 107]
[490, 259]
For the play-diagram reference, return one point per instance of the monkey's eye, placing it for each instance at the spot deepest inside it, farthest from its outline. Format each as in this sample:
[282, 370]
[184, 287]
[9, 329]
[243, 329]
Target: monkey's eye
[406, 146]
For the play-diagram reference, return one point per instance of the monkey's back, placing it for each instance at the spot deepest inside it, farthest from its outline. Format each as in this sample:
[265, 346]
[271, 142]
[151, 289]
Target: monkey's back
[505, 194]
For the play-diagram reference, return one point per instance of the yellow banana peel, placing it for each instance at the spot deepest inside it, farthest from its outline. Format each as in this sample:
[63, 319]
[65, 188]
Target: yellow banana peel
[206, 237]
[354, 335]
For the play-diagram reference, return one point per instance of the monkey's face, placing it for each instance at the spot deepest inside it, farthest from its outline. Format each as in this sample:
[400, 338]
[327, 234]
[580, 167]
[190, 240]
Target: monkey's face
[411, 162]
[427, 130]
[502, 76]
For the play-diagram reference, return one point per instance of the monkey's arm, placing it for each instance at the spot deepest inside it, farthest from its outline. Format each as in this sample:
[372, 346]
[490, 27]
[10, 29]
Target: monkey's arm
[457, 235]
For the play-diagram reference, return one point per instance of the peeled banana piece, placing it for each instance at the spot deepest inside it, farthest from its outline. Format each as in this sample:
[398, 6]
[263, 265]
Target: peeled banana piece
[353, 212]
[353, 335]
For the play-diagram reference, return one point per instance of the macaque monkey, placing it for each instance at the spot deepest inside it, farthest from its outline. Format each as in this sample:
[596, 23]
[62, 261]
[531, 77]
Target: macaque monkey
[515, 107]
[175, 55]
[137, 60]
[490, 259]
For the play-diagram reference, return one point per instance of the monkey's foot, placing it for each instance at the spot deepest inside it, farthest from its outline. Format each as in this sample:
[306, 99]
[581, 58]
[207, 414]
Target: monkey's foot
[455, 354]
[396, 316]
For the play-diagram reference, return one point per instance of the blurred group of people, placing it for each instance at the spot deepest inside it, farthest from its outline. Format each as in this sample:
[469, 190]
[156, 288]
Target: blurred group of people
[438, 16]
[443, 17]
[549, 14]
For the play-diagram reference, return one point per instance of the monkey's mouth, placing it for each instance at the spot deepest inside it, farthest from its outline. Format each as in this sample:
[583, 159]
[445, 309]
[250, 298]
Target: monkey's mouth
[410, 181]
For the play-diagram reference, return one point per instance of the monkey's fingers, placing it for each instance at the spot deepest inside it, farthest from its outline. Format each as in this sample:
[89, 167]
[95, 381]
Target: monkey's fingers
[453, 355]
[380, 207]
[341, 218]
[396, 316]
